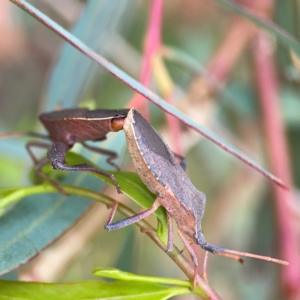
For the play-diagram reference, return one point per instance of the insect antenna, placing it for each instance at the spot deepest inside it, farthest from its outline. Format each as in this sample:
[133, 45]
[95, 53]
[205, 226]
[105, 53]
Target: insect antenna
[233, 253]
[23, 133]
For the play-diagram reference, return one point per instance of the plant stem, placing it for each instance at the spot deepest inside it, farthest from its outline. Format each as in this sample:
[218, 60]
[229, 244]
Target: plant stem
[151, 47]
[279, 159]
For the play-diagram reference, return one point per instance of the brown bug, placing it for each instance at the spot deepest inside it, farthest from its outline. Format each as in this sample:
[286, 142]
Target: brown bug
[69, 126]
[157, 167]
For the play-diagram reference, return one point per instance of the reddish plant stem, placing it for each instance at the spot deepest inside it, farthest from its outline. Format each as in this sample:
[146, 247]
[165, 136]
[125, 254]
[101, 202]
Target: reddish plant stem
[151, 47]
[237, 39]
[279, 159]
[239, 34]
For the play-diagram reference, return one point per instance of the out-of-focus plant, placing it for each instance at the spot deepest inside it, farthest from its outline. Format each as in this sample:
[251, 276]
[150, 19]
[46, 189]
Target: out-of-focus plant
[220, 96]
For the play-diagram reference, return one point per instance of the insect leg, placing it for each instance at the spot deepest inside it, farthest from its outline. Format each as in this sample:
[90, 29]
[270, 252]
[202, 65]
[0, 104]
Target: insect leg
[24, 133]
[111, 154]
[133, 219]
[233, 253]
[37, 169]
[38, 164]
[114, 207]
[30, 145]
[170, 236]
[181, 160]
[204, 274]
[193, 256]
[57, 154]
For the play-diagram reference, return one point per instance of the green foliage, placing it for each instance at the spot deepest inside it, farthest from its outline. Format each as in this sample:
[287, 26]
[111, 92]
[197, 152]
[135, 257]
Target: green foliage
[130, 184]
[87, 290]
[34, 216]
[117, 274]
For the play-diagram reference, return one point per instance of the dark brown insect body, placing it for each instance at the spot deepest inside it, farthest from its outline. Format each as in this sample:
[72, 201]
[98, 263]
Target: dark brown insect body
[79, 125]
[69, 126]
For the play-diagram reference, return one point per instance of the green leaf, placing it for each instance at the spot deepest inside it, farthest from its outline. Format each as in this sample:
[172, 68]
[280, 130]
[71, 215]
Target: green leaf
[130, 184]
[87, 290]
[117, 274]
[11, 195]
[34, 222]
[9, 169]
[95, 27]
[282, 35]
[22, 238]
[42, 215]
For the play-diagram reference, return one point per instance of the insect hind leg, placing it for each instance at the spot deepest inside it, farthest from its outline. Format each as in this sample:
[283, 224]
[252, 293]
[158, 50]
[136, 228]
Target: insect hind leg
[111, 155]
[38, 164]
[57, 154]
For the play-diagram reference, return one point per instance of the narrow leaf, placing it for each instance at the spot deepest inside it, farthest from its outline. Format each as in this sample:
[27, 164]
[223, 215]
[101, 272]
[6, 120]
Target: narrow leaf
[42, 215]
[22, 237]
[117, 274]
[94, 28]
[34, 223]
[87, 290]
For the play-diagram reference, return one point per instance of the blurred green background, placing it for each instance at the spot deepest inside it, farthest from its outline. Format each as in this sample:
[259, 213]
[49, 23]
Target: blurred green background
[37, 74]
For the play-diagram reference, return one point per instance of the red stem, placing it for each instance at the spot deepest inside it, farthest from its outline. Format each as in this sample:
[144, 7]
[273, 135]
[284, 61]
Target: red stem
[151, 47]
[279, 159]
[234, 44]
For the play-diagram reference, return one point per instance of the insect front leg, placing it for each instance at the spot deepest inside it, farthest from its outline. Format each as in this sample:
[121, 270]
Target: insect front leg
[38, 164]
[57, 154]
[30, 145]
[25, 133]
[170, 236]
[113, 207]
[193, 256]
[181, 160]
[133, 219]
[111, 155]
